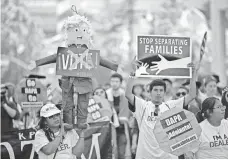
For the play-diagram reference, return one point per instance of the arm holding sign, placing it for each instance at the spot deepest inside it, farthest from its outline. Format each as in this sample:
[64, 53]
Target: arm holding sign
[192, 91]
[11, 109]
[78, 149]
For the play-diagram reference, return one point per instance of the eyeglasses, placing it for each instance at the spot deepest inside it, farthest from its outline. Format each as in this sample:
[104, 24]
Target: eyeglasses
[98, 93]
[53, 116]
[220, 107]
[181, 93]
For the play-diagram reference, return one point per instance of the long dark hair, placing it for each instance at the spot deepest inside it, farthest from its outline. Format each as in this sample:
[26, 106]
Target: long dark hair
[42, 125]
[207, 107]
[225, 103]
[48, 132]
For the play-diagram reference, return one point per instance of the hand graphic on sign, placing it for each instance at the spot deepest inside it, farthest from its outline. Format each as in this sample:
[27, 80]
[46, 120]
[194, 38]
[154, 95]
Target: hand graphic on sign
[161, 65]
[142, 70]
[164, 64]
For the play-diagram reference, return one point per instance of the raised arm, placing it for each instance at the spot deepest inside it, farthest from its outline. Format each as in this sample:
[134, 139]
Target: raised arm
[108, 64]
[78, 149]
[192, 90]
[128, 93]
[46, 60]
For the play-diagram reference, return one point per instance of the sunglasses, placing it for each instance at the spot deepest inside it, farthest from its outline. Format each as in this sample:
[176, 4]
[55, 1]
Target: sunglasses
[53, 116]
[181, 93]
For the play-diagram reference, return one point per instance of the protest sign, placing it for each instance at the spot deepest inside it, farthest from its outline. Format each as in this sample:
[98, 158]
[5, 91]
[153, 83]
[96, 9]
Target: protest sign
[177, 131]
[163, 56]
[99, 109]
[30, 92]
[77, 62]
[18, 144]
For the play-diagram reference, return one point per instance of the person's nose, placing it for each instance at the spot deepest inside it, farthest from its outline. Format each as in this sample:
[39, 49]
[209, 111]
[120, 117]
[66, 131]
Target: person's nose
[223, 108]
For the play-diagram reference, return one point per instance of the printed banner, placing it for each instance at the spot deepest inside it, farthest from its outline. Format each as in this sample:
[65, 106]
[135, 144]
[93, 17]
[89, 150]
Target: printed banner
[177, 131]
[18, 144]
[77, 62]
[163, 56]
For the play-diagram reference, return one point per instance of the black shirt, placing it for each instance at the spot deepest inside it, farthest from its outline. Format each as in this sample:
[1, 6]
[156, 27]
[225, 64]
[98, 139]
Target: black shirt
[116, 103]
[6, 120]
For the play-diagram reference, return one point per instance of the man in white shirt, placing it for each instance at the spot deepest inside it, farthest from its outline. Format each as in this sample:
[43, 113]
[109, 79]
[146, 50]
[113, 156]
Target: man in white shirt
[147, 112]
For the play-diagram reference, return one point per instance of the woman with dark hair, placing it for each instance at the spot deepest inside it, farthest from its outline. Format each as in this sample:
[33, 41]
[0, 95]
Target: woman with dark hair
[225, 100]
[214, 135]
[99, 91]
[55, 139]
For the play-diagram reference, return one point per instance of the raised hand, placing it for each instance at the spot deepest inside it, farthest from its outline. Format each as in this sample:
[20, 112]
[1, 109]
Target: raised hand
[161, 65]
[142, 70]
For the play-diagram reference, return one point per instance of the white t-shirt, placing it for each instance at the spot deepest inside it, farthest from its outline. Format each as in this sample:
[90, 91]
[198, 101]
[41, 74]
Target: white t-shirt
[148, 147]
[213, 141]
[64, 149]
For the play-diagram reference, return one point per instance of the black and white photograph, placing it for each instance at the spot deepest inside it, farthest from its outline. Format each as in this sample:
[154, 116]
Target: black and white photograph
[114, 79]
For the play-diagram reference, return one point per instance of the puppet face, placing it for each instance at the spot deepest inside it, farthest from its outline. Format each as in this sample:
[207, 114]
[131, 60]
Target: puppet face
[78, 33]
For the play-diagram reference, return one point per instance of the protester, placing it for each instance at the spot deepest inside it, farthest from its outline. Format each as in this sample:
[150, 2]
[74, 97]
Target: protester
[116, 97]
[181, 92]
[169, 89]
[225, 100]
[147, 114]
[99, 91]
[107, 86]
[9, 110]
[138, 90]
[219, 89]
[54, 140]
[210, 87]
[214, 135]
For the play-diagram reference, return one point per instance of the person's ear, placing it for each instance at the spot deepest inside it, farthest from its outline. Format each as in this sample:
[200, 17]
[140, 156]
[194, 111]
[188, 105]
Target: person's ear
[209, 113]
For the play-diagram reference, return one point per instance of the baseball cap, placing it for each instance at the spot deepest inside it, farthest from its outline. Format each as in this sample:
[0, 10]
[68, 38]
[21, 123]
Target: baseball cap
[49, 110]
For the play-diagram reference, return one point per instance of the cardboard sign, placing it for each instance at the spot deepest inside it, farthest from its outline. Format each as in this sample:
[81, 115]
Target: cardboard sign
[164, 56]
[177, 131]
[77, 62]
[94, 109]
[99, 110]
[31, 92]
